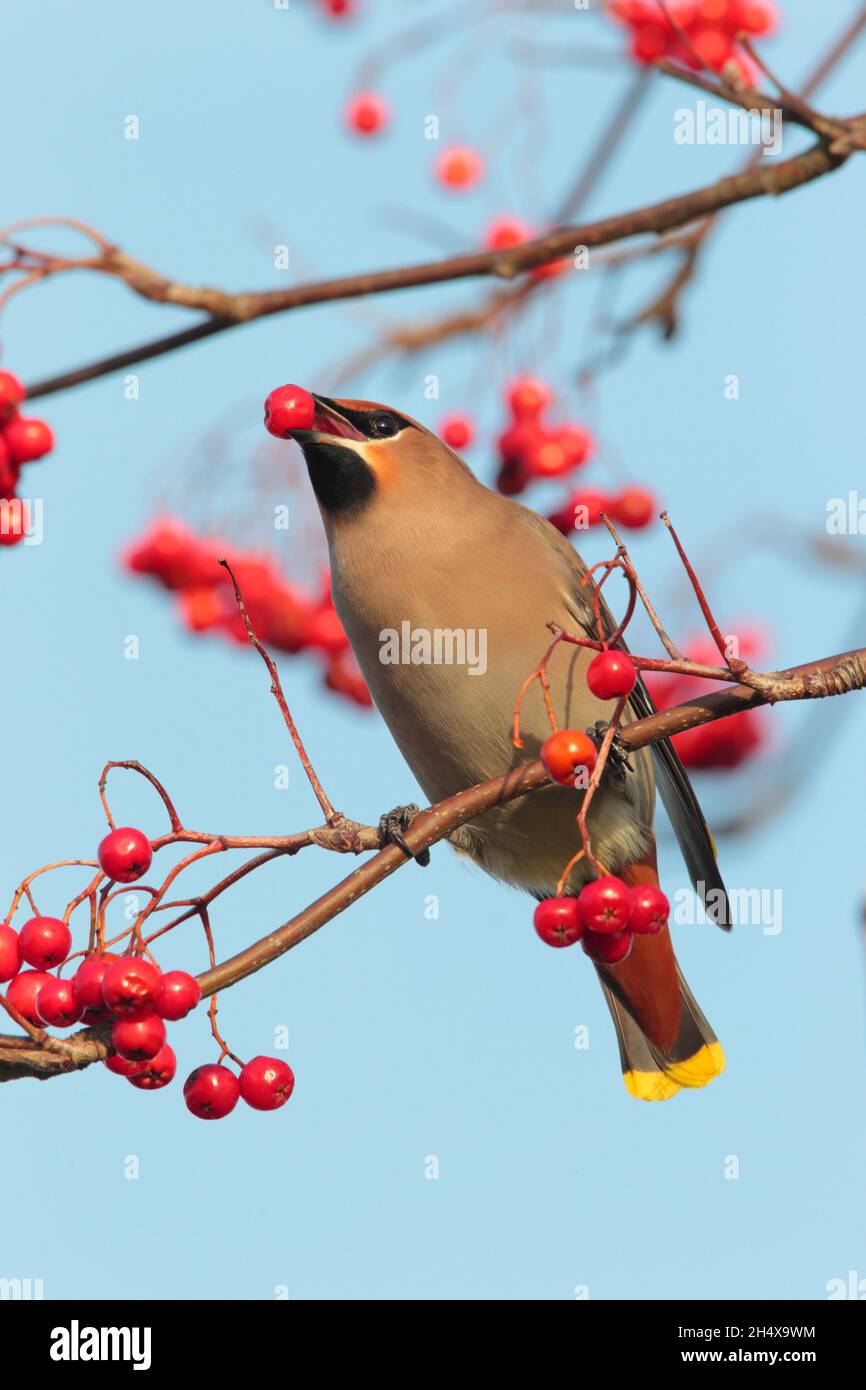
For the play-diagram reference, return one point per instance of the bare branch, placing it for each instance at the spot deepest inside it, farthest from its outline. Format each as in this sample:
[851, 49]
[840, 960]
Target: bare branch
[665, 216]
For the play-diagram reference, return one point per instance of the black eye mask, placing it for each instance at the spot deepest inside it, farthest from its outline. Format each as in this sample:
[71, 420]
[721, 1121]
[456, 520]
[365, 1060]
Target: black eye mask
[372, 424]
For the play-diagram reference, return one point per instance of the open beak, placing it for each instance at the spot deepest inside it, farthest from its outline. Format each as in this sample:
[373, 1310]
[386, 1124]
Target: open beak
[328, 424]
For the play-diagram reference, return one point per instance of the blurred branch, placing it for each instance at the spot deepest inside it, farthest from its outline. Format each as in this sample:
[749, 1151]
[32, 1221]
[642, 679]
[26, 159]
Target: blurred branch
[664, 307]
[229, 310]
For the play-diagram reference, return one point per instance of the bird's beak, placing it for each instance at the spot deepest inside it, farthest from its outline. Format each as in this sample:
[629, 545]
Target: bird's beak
[328, 424]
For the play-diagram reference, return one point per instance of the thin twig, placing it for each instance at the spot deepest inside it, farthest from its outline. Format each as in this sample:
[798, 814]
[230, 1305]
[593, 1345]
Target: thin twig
[332, 817]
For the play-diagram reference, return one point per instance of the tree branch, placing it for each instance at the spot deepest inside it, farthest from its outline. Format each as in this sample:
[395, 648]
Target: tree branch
[833, 675]
[665, 216]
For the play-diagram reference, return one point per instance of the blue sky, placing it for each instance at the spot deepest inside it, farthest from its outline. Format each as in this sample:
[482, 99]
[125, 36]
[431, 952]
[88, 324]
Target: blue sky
[410, 1037]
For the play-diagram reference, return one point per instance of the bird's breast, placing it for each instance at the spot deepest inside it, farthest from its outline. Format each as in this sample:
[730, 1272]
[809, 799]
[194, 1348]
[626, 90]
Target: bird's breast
[445, 656]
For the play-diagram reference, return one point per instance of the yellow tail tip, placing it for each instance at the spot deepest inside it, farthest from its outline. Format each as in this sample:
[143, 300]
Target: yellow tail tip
[697, 1070]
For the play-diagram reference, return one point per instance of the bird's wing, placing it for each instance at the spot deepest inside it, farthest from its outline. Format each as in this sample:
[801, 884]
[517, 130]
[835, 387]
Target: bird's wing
[693, 834]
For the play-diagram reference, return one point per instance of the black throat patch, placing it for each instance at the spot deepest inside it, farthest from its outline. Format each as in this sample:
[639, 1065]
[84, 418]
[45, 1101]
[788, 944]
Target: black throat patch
[341, 480]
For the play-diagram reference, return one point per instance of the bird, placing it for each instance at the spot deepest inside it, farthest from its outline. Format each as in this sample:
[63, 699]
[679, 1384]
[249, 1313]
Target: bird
[415, 538]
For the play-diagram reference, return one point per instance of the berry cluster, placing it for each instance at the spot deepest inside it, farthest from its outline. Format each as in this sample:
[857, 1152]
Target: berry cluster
[211, 1092]
[22, 440]
[457, 168]
[133, 993]
[710, 26]
[531, 448]
[605, 918]
[607, 914]
[633, 507]
[283, 615]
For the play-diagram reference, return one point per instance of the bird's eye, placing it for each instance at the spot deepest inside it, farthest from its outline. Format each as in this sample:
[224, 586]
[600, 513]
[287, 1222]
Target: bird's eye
[383, 425]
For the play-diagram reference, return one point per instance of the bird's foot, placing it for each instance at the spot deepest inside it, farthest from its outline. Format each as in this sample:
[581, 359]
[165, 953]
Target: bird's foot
[391, 829]
[617, 759]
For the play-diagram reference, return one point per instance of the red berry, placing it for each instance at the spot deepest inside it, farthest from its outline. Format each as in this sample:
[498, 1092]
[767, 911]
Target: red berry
[576, 443]
[633, 507]
[121, 1067]
[559, 450]
[22, 993]
[459, 167]
[725, 744]
[201, 610]
[505, 232]
[650, 42]
[211, 1092]
[713, 46]
[605, 904]
[158, 1072]
[27, 440]
[266, 1083]
[10, 953]
[322, 629]
[517, 442]
[711, 11]
[586, 508]
[457, 431]
[87, 980]
[177, 996]
[289, 408]
[610, 675]
[337, 9]
[343, 675]
[9, 471]
[755, 16]
[650, 910]
[548, 459]
[557, 921]
[138, 1037]
[366, 114]
[565, 752]
[56, 1003]
[511, 480]
[548, 270]
[563, 520]
[44, 941]
[11, 393]
[125, 854]
[171, 553]
[130, 983]
[14, 521]
[528, 397]
[608, 948]
[91, 1016]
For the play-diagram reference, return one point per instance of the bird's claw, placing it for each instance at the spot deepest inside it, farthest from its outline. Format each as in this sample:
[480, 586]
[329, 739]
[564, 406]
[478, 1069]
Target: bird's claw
[391, 828]
[617, 758]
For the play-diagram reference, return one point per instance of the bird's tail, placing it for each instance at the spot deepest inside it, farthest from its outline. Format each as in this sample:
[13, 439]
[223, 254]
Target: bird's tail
[665, 1043]
[654, 1073]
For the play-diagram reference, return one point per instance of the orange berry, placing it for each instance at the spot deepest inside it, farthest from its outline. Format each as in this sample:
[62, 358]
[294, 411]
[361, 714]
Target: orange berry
[564, 753]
